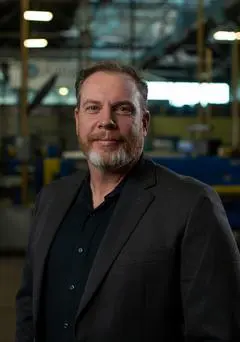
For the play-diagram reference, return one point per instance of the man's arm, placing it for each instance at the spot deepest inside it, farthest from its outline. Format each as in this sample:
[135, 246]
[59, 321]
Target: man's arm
[210, 274]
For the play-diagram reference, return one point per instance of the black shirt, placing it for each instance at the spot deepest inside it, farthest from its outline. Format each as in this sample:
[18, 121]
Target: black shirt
[69, 261]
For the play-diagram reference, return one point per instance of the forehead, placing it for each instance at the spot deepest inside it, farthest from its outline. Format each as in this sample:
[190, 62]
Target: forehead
[109, 85]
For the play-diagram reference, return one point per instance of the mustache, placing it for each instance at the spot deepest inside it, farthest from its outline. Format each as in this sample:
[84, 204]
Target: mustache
[105, 136]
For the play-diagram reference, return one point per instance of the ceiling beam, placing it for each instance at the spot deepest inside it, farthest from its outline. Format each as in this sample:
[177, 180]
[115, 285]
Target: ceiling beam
[57, 53]
[144, 5]
[180, 32]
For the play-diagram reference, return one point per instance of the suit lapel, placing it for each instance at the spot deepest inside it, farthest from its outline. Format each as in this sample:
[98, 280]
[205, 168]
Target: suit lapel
[48, 226]
[133, 203]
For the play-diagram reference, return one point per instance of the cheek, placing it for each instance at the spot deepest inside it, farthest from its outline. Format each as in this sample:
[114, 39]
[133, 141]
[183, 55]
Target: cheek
[129, 127]
[137, 128]
[83, 128]
[126, 131]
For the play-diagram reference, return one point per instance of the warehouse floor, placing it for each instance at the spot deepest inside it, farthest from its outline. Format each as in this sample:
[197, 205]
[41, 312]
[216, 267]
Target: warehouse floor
[10, 272]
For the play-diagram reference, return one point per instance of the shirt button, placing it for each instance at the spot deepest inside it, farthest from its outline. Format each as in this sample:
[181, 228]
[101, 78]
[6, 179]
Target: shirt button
[80, 250]
[66, 325]
[71, 287]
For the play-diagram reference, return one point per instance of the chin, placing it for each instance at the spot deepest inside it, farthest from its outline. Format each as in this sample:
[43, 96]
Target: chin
[110, 160]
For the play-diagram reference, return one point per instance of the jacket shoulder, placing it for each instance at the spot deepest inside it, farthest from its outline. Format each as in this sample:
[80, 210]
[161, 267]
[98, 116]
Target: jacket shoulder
[64, 182]
[58, 188]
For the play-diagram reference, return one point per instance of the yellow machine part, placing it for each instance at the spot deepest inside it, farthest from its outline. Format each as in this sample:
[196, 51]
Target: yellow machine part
[51, 167]
[227, 189]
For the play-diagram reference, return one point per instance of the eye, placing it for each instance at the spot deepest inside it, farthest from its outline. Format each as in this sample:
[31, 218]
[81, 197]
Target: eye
[124, 110]
[92, 109]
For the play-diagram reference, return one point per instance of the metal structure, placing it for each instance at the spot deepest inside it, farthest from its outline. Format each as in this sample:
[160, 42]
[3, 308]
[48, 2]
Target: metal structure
[160, 36]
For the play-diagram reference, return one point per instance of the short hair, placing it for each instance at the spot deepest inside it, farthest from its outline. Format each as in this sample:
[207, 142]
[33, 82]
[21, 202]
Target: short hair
[114, 67]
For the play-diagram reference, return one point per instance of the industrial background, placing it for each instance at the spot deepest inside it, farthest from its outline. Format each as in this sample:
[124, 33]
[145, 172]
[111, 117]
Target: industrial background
[188, 52]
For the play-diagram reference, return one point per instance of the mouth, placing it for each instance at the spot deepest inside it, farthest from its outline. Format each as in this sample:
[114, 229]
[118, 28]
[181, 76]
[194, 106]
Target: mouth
[108, 139]
[116, 140]
[108, 142]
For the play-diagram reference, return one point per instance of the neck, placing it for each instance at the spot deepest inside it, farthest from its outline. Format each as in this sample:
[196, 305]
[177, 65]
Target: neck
[102, 182]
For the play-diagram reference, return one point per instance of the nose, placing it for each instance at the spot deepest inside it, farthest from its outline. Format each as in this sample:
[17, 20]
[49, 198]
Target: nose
[111, 124]
[106, 119]
[106, 113]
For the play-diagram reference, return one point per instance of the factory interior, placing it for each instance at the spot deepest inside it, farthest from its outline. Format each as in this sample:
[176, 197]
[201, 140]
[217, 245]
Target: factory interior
[187, 50]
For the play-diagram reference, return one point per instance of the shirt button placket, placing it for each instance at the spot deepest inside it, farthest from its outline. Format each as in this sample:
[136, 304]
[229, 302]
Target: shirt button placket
[71, 287]
[66, 325]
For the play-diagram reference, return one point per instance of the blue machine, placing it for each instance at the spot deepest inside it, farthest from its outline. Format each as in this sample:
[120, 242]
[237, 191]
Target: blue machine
[211, 170]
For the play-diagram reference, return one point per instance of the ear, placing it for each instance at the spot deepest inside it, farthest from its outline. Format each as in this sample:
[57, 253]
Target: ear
[146, 122]
[76, 113]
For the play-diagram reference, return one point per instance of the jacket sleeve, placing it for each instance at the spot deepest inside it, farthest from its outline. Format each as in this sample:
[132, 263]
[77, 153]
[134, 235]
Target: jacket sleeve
[210, 274]
[24, 316]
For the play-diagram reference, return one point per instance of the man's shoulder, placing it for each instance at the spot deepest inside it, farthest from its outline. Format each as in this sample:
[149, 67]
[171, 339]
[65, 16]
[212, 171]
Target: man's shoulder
[59, 186]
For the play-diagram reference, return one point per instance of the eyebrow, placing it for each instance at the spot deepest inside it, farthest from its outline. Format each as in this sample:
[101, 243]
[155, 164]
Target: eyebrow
[124, 102]
[90, 101]
[115, 104]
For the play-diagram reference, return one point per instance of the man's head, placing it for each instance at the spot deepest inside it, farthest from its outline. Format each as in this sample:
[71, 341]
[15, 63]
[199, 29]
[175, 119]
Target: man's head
[111, 114]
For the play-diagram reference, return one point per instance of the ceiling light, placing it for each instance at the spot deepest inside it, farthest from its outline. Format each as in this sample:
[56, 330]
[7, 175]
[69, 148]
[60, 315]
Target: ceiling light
[63, 91]
[35, 43]
[226, 35]
[38, 16]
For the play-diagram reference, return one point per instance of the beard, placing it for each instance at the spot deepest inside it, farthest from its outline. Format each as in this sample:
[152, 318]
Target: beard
[114, 160]
[126, 151]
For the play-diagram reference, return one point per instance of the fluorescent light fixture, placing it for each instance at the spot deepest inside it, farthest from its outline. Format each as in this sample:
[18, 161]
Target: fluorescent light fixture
[37, 16]
[35, 43]
[226, 35]
[189, 93]
[63, 91]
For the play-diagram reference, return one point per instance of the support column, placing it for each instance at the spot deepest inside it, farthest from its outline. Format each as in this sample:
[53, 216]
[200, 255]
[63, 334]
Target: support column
[200, 53]
[24, 129]
[209, 68]
[132, 30]
[83, 21]
[234, 93]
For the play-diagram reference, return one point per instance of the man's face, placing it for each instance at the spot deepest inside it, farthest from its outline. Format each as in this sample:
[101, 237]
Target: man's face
[105, 97]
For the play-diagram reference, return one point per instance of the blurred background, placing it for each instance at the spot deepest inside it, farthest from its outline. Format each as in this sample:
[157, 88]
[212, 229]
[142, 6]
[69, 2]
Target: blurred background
[188, 52]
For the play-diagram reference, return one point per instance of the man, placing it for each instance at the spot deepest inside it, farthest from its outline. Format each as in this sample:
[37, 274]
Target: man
[132, 251]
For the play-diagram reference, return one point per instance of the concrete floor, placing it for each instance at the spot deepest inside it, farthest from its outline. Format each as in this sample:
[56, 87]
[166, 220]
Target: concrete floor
[10, 272]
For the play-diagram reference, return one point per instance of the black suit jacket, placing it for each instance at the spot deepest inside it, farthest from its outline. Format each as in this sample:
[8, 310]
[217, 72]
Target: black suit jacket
[168, 268]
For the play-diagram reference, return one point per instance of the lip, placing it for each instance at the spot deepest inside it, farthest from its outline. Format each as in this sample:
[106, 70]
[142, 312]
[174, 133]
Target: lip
[109, 142]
